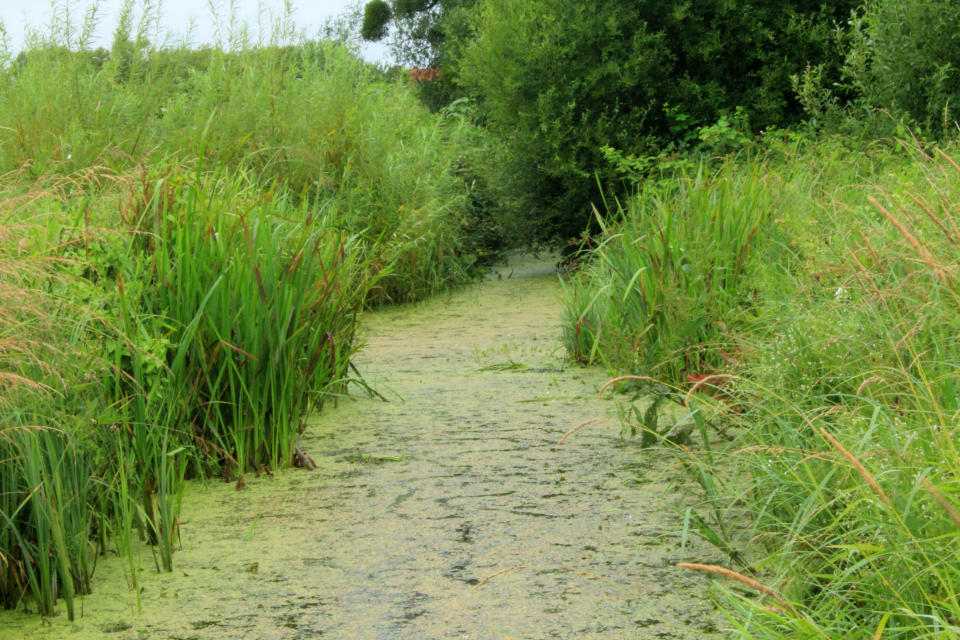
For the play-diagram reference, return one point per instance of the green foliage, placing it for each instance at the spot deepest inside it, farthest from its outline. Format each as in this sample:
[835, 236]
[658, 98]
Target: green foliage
[187, 238]
[46, 475]
[207, 318]
[904, 59]
[728, 134]
[45, 518]
[420, 28]
[489, 228]
[376, 20]
[313, 118]
[427, 34]
[408, 8]
[560, 79]
[244, 313]
[669, 276]
[855, 415]
[839, 490]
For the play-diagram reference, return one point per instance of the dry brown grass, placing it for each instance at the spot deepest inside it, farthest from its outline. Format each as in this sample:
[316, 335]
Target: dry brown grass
[577, 428]
[866, 475]
[739, 577]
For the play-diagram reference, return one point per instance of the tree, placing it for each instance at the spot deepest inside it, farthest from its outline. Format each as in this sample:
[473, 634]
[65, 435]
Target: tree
[560, 79]
[419, 27]
[426, 34]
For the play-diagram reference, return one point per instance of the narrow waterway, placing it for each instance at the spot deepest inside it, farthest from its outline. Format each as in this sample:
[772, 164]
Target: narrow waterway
[449, 512]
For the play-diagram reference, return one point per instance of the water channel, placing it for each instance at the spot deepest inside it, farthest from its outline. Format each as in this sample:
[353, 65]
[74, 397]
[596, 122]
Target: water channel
[451, 511]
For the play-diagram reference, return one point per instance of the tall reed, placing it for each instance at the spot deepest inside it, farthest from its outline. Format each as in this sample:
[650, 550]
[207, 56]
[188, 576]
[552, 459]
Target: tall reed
[186, 238]
[670, 273]
[258, 299]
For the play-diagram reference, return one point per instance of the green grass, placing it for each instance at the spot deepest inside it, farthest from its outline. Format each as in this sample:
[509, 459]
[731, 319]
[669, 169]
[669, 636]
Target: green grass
[839, 491]
[670, 270]
[186, 239]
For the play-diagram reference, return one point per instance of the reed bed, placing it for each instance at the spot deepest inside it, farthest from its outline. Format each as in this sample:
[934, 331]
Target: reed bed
[838, 492]
[308, 117]
[185, 328]
[186, 239]
[669, 271]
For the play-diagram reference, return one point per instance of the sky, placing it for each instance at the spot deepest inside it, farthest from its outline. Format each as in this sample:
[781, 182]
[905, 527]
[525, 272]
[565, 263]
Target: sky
[175, 18]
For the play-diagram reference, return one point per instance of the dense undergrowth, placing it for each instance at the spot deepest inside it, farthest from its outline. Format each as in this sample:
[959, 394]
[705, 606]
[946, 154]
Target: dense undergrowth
[805, 303]
[186, 237]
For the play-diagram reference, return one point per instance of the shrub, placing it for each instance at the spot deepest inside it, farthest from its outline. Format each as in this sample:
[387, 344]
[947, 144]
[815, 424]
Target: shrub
[904, 58]
[559, 80]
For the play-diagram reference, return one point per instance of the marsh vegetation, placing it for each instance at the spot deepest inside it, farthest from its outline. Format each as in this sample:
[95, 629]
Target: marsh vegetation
[757, 207]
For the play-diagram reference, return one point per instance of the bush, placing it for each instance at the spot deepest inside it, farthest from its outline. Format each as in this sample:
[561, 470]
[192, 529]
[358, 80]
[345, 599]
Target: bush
[559, 80]
[904, 59]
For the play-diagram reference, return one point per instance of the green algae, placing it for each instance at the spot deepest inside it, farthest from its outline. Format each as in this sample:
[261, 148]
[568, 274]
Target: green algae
[449, 512]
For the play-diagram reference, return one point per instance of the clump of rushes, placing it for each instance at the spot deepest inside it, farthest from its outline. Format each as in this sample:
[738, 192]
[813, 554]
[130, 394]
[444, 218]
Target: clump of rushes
[248, 303]
[214, 316]
[671, 271]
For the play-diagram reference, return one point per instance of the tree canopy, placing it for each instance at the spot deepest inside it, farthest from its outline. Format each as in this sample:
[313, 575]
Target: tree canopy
[561, 79]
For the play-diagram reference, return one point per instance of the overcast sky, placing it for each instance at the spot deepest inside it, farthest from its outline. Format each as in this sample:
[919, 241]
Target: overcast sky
[176, 17]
